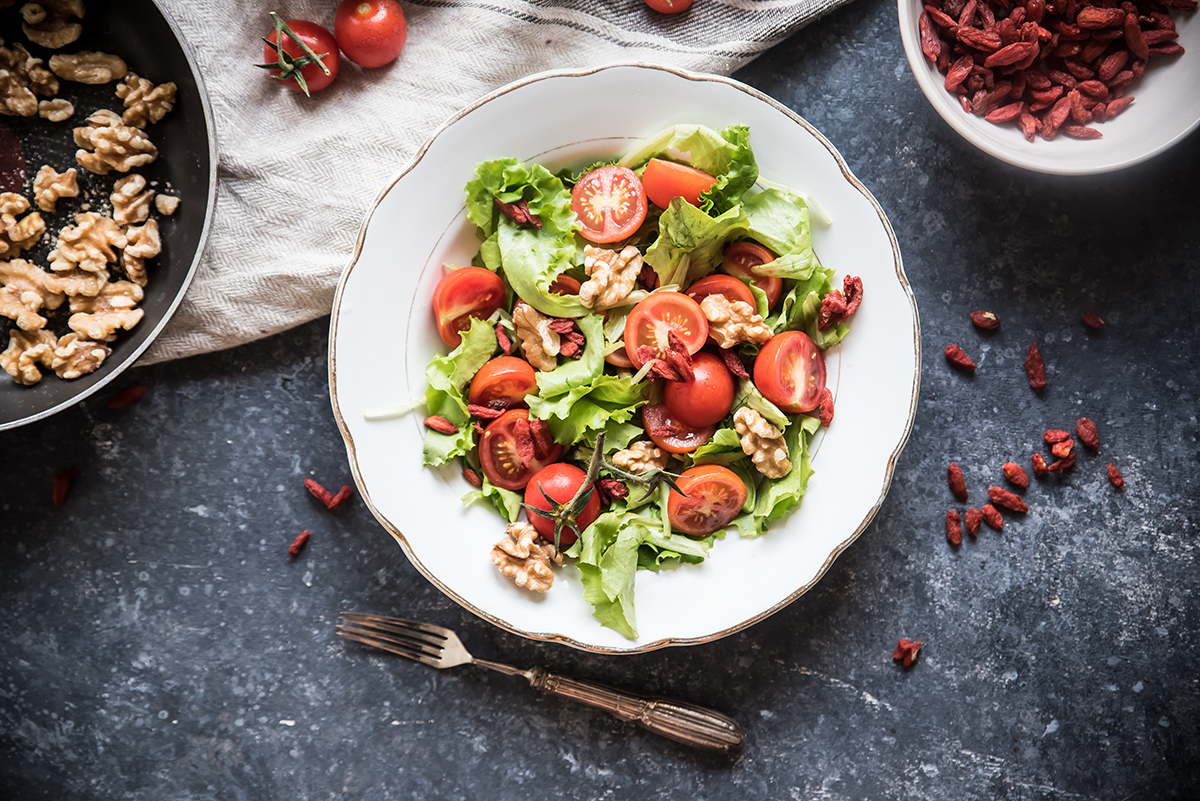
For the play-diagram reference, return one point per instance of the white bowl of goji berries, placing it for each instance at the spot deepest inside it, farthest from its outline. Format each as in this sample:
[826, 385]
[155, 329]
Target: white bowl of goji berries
[1068, 87]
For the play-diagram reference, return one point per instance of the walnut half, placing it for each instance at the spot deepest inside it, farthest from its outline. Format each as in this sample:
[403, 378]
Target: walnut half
[540, 344]
[613, 276]
[526, 558]
[25, 351]
[49, 185]
[144, 102]
[89, 66]
[108, 144]
[762, 442]
[641, 457]
[731, 322]
[48, 22]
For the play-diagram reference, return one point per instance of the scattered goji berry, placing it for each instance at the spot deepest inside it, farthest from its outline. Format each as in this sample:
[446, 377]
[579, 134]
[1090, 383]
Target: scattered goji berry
[298, 544]
[62, 481]
[954, 354]
[954, 476]
[483, 412]
[1002, 497]
[1114, 476]
[986, 320]
[825, 408]
[906, 652]
[342, 496]
[1063, 449]
[610, 488]
[523, 441]
[124, 397]
[1016, 474]
[472, 477]
[1035, 368]
[733, 362]
[320, 493]
[1039, 465]
[440, 424]
[1089, 435]
[505, 343]
[1054, 435]
[973, 518]
[953, 527]
[1090, 319]
[991, 516]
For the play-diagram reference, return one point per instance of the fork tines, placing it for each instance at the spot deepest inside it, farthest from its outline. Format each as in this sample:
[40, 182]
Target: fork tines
[409, 638]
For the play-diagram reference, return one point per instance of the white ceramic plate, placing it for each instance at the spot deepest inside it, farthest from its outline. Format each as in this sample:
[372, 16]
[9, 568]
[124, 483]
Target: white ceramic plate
[1167, 109]
[382, 336]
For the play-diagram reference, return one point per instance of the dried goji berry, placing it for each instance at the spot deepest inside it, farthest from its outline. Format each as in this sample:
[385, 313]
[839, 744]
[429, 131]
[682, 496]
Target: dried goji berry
[505, 343]
[1090, 319]
[342, 496]
[733, 362]
[956, 357]
[1054, 435]
[1039, 465]
[611, 488]
[523, 441]
[825, 408]
[472, 477]
[1063, 449]
[1002, 497]
[1062, 464]
[991, 516]
[906, 652]
[986, 320]
[1035, 368]
[1089, 435]
[954, 476]
[131, 394]
[1081, 132]
[483, 412]
[320, 493]
[62, 481]
[953, 527]
[440, 424]
[973, 518]
[1114, 476]
[1016, 474]
[298, 544]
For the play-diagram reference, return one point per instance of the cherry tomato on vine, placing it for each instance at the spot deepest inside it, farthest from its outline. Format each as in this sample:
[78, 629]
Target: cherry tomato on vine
[370, 32]
[741, 256]
[705, 399]
[714, 496]
[462, 294]
[790, 372]
[610, 203]
[560, 481]
[320, 41]
[665, 180]
[669, 6]
[720, 284]
[503, 377]
[498, 453]
[671, 434]
[657, 315]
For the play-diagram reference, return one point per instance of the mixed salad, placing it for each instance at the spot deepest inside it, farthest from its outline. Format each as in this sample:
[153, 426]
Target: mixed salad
[637, 355]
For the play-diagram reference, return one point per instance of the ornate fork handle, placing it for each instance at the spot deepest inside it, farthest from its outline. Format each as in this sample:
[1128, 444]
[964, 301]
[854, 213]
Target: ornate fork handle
[683, 722]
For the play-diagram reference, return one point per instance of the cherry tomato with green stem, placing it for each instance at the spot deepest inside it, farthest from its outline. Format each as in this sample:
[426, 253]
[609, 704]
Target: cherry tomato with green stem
[300, 69]
[371, 33]
[560, 482]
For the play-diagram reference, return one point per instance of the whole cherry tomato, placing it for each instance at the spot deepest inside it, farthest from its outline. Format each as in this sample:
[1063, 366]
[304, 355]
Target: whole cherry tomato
[790, 372]
[462, 294]
[665, 180]
[560, 481]
[705, 399]
[669, 6]
[370, 32]
[714, 496]
[320, 41]
[610, 203]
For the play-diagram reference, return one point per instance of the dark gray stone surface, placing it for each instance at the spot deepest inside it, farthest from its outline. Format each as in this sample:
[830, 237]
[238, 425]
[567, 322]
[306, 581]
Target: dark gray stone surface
[157, 643]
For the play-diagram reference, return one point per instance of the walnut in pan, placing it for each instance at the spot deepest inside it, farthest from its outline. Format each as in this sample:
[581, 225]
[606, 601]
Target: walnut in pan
[22, 79]
[145, 103]
[18, 235]
[74, 282]
[131, 200]
[89, 66]
[49, 23]
[526, 558]
[91, 243]
[49, 185]
[144, 243]
[114, 307]
[56, 110]
[108, 144]
[25, 352]
[26, 289]
[75, 356]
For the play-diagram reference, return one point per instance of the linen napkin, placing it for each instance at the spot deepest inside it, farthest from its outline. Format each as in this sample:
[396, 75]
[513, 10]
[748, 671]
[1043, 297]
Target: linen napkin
[297, 175]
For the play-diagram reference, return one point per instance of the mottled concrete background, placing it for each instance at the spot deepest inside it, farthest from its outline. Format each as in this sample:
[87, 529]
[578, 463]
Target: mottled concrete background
[155, 644]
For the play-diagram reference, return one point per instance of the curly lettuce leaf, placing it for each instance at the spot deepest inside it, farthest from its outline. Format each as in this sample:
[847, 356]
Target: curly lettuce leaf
[690, 243]
[575, 416]
[737, 178]
[507, 502]
[779, 220]
[724, 448]
[779, 496]
[447, 376]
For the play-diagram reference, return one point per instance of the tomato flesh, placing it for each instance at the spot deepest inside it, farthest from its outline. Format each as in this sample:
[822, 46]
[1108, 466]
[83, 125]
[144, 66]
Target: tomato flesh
[720, 284]
[498, 453]
[740, 257]
[665, 180]
[504, 377]
[790, 372]
[565, 285]
[462, 294]
[560, 481]
[714, 496]
[654, 317]
[322, 43]
[671, 434]
[371, 33]
[610, 203]
[704, 400]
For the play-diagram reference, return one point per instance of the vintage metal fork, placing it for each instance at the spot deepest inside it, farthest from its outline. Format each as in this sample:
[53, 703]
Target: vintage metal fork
[440, 648]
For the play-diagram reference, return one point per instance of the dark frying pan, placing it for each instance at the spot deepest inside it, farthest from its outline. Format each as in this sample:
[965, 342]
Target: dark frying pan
[140, 32]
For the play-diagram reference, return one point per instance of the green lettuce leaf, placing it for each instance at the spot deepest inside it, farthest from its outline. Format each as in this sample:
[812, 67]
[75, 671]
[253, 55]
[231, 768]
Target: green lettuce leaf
[748, 395]
[725, 448]
[690, 243]
[608, 401]
[737, 178]
[507, 502]
[447, 375]
[779, 496]
[779, 220]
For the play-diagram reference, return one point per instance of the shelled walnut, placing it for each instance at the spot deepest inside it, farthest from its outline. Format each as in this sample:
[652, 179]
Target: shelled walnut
[762, 442]
[131, 200]
[731, 322]
[56, 110]
[89, 66]
[22, 78]
[91, 244]
[26, 289]
[113, 308]
[75, 356]
[49, 185]
[612, 276]
[538, 342]
[166, 204]
[640, 457]
[526, 558]
[26, 350]
[144, 102]
[18, 235]
[108, 144]
[144, 243]
[77, 283]
[48, 22]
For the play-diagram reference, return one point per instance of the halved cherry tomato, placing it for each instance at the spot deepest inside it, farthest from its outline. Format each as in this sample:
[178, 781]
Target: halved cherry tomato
[370, 32]
[718, 284]
[657, 315]
[714, 496]
[704, 400]
[462, 294]
[669, 6]
[565, 285]
[560, 481]
[498, 453]
[671, 434]
[610, 203]
[790, 372]
[503, 377]
[741, 256]
[666, 180]
[320, 41]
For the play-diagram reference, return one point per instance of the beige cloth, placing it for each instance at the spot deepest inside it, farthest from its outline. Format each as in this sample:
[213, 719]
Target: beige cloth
[297, 174]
